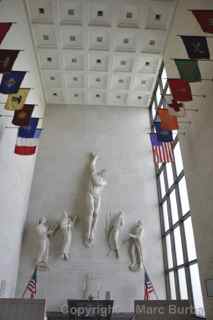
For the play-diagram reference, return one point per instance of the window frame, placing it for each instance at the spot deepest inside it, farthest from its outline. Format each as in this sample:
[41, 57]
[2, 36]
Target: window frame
[161, 170]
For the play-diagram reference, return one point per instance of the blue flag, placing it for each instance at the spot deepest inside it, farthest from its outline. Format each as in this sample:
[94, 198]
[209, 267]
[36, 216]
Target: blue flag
[162, 135]
[11, 81]
[29, 131]
[196, 47]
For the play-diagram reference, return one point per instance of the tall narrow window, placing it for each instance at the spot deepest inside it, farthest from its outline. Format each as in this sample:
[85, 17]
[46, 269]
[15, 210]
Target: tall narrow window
[181, 265]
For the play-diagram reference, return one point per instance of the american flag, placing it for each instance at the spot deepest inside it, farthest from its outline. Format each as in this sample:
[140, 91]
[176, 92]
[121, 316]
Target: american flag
[32, 285]
[162, 151]
[148, 286]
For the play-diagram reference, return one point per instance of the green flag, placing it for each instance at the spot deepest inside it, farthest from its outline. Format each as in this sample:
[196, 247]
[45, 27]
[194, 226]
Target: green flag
[188, 70]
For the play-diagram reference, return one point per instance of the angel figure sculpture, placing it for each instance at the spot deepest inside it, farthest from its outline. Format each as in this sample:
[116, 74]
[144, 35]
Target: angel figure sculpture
[135, 247]
[97, 183]
[113, 233]
[66, 225]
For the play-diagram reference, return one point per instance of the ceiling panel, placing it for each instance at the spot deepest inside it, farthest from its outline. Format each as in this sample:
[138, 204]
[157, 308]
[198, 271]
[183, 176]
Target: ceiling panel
[98, 52]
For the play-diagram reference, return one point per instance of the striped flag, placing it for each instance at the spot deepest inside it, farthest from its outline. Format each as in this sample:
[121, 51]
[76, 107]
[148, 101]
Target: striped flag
[148, 286]
[162, 151]
[32, 285]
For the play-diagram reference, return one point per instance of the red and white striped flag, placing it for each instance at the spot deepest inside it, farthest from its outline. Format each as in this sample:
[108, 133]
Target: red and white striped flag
[148, 287]
[162, 151]
[31, 287]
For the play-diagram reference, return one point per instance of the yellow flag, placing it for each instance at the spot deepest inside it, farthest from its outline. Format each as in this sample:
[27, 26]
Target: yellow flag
[17, 100]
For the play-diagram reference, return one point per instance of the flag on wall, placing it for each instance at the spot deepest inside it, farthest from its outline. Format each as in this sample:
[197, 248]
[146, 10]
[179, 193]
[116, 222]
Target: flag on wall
[31, 286]
[162, 134]
[205, 19]
[196, 47]
[11, 81]
[162, 151]
[180, 89]
[7, 59]
[4, 28]
[16, 101]
[188, 70]
[22, 117]
[167, 121]
[148, 286]
[29, 131]
[26, 146]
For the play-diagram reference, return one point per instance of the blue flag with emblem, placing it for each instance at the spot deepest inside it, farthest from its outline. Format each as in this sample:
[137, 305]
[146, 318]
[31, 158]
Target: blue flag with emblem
[11, 81]
[30, 130]
[196, 47]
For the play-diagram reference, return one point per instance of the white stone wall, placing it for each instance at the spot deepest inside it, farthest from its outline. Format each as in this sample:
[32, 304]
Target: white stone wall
[60, 181]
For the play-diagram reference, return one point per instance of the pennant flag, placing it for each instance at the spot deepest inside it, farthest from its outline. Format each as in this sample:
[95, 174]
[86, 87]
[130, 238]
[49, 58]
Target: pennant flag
[11, 81]
[31, 287]
[148, 286]
[196, 47]
[7, 59]
[188, 70]
[162, 151]
[180, 89]
[162, 135]
[205, 19]
[16, 101]
[22, 117]
[29, 131]
[168, 122]
[4, 28]
[26, 146]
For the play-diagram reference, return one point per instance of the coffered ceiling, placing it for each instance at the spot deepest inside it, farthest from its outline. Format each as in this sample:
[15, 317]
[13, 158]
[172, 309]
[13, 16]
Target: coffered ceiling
[99, 52]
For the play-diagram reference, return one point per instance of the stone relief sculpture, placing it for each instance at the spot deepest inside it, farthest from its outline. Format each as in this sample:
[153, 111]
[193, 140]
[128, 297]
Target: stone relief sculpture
[43, 233]
[96, 185]
[66, 225]
[91, 287]
[113, 233]
[135, 247]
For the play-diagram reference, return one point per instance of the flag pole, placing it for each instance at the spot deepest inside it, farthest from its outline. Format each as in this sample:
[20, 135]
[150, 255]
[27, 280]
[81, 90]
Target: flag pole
[196, 59]
[185, 35]
[5, 116]
[191, 109]
[183, 133]
[186, 122]
[203, 79]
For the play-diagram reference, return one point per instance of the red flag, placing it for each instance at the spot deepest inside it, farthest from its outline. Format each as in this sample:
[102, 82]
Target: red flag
[4, 28]
[205, 19]
[168, 122]
[180, 89]
[25, 150]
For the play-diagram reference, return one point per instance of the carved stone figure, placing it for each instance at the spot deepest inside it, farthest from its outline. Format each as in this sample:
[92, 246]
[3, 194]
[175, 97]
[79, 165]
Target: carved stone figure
[43, 233]
[66, 225]
[97, 183]
[113, 233]
[135, 247]
[91, 287]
